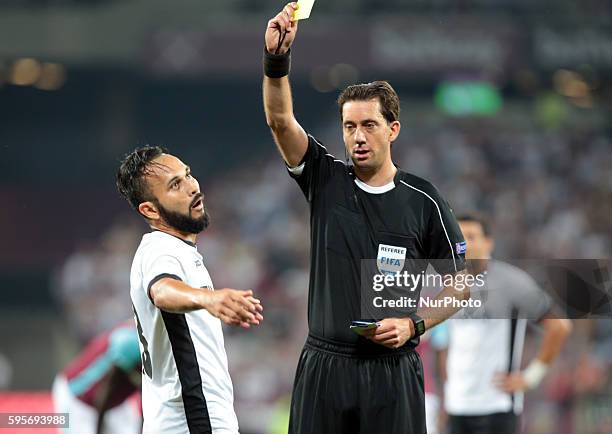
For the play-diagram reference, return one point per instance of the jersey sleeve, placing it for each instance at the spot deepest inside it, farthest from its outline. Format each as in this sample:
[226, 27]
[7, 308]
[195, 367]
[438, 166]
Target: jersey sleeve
[123, 349]
[159, 266]
[528, 299]
[316, 168]
[445, 244]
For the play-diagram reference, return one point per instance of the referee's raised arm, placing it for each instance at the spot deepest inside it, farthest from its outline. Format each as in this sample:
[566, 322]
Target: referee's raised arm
[288, 134]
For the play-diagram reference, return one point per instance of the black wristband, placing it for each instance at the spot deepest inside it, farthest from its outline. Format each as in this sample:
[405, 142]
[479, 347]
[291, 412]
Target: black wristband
[276, 65]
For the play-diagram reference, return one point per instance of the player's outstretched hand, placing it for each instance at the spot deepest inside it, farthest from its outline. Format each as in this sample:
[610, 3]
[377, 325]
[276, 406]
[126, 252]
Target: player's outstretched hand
[234, 307]
[281, 28]
[391, 332]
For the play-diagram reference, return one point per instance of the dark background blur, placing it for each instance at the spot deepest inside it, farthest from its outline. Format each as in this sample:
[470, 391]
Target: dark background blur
[506, 107]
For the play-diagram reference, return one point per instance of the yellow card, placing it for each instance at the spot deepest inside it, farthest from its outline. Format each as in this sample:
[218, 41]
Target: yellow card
[303, 10]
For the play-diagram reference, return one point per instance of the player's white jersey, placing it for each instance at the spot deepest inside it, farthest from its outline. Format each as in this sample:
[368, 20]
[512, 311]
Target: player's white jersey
[481, 348]
[186, 387]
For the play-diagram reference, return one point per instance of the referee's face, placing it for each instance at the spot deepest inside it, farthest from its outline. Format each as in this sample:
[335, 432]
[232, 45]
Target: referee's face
[367, 134]
[178, 201]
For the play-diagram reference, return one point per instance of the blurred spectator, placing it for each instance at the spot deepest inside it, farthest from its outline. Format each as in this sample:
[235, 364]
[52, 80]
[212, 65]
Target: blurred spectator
[94, 282]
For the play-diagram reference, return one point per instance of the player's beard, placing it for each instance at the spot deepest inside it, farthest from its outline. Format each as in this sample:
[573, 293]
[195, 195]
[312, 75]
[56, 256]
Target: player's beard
[185, 223]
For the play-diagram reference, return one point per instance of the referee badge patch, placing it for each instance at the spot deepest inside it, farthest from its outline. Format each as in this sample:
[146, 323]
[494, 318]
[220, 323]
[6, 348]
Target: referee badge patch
[390, 259]
[460, 248]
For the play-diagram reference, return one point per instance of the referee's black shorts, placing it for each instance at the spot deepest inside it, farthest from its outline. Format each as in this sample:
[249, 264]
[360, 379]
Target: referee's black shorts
[362, 389]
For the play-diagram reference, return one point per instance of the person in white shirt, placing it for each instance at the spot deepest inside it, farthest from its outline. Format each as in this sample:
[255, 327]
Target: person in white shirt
[186, 387]
[484, 386]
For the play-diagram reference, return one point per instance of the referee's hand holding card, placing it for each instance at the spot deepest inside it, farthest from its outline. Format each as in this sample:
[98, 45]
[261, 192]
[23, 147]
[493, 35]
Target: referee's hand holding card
[281, 30]
[391, 332]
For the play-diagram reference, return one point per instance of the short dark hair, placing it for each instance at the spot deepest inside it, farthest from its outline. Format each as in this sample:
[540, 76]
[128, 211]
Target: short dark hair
[476, 217]
[130, 176]
[387, 97]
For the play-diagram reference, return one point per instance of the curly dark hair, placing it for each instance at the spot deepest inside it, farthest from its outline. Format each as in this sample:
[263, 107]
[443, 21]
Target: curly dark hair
[135, 166]
[389, 101]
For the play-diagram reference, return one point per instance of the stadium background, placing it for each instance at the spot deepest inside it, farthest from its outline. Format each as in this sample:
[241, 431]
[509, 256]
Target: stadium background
[506, 107]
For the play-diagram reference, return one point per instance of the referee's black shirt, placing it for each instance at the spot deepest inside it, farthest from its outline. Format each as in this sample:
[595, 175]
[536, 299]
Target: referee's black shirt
[348, 224]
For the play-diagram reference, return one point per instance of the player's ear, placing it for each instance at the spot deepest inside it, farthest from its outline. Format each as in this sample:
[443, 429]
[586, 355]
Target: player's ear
[148, 210]
[490, 244]
[395, 130]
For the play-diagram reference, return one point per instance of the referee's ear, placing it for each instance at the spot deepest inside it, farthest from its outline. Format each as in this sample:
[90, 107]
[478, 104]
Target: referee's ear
[395, 127]
[148, 210]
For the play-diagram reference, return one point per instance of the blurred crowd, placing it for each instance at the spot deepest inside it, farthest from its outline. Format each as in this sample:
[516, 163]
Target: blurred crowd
[545, 182]
[393, 6]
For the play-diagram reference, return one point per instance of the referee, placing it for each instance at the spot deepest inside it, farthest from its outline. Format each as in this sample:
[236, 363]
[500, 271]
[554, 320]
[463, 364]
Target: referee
[346, 383]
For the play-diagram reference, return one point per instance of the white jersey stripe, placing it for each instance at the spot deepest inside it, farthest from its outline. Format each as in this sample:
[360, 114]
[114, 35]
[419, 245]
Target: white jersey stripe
[517, 355]
[450, 245]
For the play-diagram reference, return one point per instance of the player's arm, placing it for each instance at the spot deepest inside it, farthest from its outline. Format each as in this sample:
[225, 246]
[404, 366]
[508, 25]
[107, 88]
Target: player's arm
[232, 306]
[556, 332]
[289, 136]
